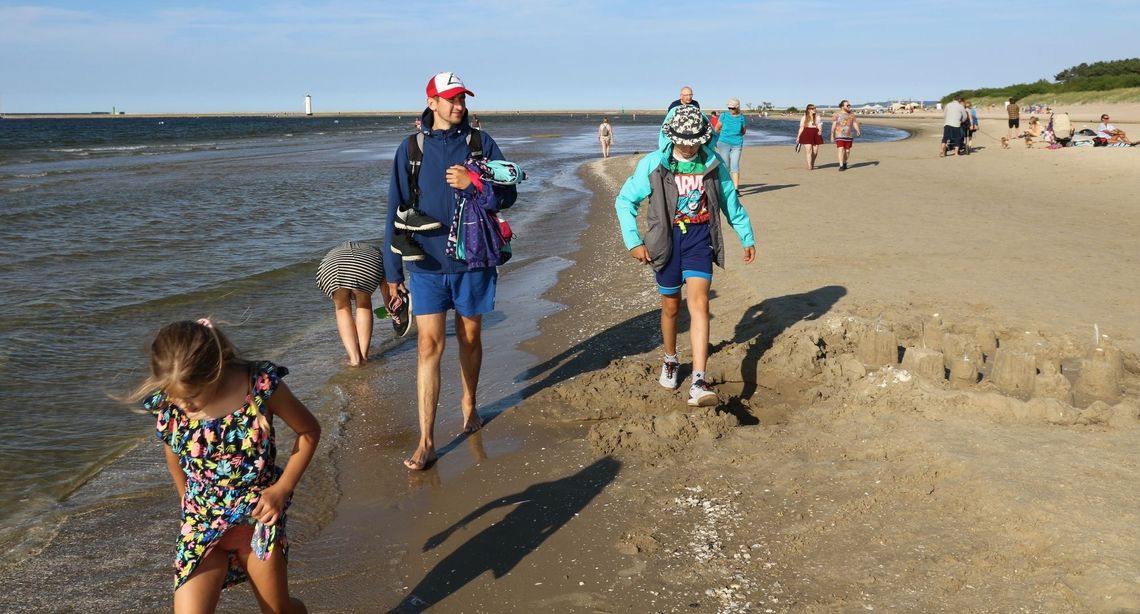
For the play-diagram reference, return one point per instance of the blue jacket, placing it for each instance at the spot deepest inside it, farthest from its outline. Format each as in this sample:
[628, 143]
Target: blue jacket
[652, 179]
[442, 149]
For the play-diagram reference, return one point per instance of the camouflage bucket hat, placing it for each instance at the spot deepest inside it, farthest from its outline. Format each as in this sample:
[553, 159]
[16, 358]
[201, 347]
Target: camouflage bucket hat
[688, 126]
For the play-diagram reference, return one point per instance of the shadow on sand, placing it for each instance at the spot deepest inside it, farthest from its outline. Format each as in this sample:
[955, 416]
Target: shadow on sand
[539, 511]
[746, 189]
[768, 319]
[642, 333]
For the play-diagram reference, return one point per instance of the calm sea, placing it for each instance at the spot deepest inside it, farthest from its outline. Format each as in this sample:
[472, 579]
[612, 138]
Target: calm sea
[112, 227]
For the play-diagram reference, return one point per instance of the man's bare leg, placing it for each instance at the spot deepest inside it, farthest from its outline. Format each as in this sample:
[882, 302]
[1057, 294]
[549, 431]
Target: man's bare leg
[469, 333]
[430, 339]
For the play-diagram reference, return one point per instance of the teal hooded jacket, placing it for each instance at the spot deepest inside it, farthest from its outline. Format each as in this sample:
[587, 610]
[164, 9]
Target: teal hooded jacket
[653, 180]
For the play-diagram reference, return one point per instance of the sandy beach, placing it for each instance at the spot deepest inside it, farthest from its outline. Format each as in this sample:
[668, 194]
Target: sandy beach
[831, 478]
[930, 384]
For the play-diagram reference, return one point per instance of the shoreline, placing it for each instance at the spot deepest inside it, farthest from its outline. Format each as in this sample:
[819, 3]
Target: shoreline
[1124, 113]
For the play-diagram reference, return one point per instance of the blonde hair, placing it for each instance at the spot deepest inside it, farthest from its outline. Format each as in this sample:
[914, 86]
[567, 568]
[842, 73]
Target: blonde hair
[186, 357]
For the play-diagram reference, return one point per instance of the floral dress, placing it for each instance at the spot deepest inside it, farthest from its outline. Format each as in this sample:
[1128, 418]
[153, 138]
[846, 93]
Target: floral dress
[228, 461]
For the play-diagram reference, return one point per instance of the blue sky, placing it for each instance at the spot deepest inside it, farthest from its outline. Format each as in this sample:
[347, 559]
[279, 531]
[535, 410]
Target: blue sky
[357, 55]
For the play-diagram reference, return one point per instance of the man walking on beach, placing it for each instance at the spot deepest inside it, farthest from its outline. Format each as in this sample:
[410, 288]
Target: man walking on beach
[438, 283]
[686, 98]
[844, 129]
[688, 190]
[953, 118]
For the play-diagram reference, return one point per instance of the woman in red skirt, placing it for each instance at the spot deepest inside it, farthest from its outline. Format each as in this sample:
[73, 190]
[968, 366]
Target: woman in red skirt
[810, 135]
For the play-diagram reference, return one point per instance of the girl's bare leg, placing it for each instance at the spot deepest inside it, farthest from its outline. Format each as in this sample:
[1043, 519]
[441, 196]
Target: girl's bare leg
[270, 582]
[201, 591]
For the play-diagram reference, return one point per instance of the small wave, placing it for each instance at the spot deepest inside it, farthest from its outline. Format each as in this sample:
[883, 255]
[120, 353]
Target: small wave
[99, 149]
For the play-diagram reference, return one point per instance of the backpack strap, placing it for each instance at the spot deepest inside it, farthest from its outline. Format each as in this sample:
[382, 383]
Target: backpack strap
[475, 144]
[416, 158]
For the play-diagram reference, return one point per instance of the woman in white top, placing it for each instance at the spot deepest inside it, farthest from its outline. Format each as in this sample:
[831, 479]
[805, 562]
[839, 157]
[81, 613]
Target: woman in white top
[605, 136]
[810, 135]
[1111, 134]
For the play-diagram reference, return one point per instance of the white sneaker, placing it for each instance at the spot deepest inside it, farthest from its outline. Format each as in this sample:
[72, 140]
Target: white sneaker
[702, 395]
[668, 377]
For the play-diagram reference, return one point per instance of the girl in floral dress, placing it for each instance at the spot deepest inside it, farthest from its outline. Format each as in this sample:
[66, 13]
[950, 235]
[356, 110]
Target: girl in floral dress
[215, 414]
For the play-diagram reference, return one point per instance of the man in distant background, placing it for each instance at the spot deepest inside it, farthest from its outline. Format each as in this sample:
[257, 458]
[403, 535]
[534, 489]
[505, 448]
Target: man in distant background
[953, 117]
[686, 98]
[844, 129]
[1014, 113]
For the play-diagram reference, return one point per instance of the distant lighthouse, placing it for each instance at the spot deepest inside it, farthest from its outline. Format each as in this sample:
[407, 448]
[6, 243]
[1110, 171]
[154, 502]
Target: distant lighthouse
[308, 104]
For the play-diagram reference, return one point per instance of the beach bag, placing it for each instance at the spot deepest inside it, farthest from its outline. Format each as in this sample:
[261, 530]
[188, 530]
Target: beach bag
[478, 237]
[1099, 141]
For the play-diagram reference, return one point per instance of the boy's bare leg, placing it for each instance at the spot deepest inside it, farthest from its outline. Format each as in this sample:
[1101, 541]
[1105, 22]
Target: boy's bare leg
[670, 307]
[698, 299]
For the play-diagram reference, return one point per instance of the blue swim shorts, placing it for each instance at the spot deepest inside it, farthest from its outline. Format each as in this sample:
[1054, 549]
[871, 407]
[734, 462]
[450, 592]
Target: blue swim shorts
[692, 257]
[469, 293]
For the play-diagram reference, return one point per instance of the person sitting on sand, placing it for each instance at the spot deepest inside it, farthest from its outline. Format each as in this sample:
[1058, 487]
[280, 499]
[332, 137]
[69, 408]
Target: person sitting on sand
[1033, 131]
[684, 237]
[1111, 134]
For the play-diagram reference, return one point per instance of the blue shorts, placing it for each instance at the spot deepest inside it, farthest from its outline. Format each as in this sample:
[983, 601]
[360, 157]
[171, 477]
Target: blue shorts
[470, 293]
[692, 257]
[731, 155]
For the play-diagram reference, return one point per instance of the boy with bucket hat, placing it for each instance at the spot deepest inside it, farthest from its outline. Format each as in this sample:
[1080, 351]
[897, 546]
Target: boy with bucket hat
[688, 190]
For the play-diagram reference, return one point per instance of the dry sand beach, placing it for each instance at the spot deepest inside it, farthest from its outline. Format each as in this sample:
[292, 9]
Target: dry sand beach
[993, 471]
[832, 479]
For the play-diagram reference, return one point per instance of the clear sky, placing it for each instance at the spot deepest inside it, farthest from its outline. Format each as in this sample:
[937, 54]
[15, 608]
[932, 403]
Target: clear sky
[377, 55]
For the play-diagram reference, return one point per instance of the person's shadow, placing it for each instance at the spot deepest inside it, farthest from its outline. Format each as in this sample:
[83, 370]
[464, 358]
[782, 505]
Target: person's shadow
[768, 319]
[539, 512]
[633, 336]
[746, 189]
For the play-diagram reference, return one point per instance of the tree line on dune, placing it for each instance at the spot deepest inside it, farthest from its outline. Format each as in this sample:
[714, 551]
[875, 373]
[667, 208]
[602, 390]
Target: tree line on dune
[1084, 77]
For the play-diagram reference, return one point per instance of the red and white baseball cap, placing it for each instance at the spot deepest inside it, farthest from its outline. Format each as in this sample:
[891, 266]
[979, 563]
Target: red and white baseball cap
[446, 85]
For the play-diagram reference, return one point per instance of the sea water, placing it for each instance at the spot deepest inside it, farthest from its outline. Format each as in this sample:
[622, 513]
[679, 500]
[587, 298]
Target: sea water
[111, 227]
